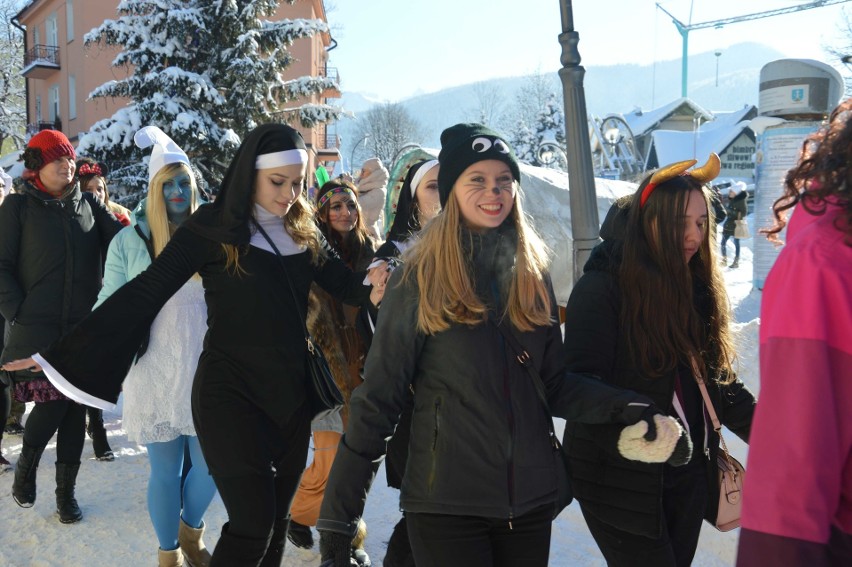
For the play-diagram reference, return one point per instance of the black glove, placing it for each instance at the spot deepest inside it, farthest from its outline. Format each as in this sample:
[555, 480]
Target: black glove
[335, 549]
[641, 411]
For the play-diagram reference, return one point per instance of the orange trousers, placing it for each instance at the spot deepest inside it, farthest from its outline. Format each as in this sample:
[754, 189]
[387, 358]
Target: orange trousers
[306, 504]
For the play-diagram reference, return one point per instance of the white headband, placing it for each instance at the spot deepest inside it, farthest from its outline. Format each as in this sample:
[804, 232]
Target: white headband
[421, 173]
[280, 159]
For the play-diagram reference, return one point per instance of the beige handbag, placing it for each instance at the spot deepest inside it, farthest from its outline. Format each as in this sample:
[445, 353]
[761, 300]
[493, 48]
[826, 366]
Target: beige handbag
[731, 473]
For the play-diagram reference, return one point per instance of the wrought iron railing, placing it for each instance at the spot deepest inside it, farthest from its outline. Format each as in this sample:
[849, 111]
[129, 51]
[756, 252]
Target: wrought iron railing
[42, 54]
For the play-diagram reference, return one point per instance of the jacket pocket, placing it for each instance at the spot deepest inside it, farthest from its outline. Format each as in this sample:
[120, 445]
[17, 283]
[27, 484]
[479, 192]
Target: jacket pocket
[436, 431]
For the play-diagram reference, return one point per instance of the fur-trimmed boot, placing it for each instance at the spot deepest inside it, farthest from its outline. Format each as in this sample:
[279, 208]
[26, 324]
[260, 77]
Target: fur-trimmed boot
[173, 558]
[24, 485]
[359, 554]
[66, 505]
[194, 550]
[275, 551]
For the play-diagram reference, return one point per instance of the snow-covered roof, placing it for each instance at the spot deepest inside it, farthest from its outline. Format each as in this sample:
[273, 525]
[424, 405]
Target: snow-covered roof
[671, 146]
[733, 117]
[641, 122]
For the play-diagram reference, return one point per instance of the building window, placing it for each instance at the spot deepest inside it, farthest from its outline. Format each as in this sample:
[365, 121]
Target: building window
[36, 35]
[69, 20]
[72, 97]
[52, 32]
[38, 108]
[53, 105]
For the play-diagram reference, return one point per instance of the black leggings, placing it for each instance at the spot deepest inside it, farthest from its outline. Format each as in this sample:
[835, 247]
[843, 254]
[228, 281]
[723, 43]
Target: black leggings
[5, 405]
[65, 418]
[441, 540]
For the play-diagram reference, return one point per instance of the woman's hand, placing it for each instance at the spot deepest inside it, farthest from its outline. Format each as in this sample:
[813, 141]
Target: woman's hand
[22, 364]
[378, 273]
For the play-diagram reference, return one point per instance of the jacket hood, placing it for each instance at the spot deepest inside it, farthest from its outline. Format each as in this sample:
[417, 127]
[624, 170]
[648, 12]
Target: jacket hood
[739, 196]
[606, 256]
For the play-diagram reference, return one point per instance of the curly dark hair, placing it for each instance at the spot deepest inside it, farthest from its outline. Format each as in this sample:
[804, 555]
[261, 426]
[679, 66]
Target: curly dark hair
[33, 160]
[824, 173]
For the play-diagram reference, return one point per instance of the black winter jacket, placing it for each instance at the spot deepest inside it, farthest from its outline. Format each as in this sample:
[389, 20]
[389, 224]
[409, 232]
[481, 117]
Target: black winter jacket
[737, 209]
[623, 493]
[480, 441]
[51, 258]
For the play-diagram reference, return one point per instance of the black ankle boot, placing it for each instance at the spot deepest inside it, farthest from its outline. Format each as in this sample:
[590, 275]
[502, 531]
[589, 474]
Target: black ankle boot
[277, 543]
[95, 430]
[66, 505]
[24, 486]
[300, 535]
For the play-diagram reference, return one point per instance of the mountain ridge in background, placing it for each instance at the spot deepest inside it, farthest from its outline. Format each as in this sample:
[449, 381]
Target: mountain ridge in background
[611, 89]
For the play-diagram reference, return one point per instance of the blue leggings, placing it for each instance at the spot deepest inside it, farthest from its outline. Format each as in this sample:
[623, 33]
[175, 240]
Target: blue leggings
[164, 494]
[725, 239]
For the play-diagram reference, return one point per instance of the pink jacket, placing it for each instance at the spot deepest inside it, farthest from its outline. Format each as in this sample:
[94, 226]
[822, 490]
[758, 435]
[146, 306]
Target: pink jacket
[797, 507]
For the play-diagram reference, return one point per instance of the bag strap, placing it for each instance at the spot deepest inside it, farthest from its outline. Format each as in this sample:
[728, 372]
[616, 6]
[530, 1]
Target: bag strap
[525, 360]
[149, 245]
[708, 403]
[302, 316]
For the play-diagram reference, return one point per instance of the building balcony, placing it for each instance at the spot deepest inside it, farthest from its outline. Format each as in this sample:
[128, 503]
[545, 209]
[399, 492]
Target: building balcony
[331, 73]
[40, 61]
[36, 127]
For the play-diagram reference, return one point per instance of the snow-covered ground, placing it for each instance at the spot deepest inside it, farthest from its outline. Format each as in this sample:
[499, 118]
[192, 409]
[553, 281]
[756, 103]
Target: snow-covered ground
[115, 530]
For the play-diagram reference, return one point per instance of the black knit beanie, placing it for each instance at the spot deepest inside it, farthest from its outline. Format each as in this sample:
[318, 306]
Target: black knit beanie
[465, 144]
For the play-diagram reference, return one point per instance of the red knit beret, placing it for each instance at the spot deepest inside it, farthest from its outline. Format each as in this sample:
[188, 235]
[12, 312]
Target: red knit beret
[52, 145]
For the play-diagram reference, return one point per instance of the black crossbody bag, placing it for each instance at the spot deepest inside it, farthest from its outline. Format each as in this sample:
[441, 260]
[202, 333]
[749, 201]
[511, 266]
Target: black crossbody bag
[324, 396]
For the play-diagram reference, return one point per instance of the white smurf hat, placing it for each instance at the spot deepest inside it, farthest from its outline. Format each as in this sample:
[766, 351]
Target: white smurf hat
[165, 150]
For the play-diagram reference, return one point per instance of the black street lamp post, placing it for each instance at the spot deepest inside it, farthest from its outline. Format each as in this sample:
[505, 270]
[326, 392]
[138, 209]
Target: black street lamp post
[585, 225]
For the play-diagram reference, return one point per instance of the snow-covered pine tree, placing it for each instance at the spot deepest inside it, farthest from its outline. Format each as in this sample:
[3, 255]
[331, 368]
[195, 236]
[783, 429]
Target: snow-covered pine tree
[550, 127]
[204, 71]
[524, 142]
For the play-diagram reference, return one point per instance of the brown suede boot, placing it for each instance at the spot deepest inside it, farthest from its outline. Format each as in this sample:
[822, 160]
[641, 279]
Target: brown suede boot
[193, 548]
[173, 558]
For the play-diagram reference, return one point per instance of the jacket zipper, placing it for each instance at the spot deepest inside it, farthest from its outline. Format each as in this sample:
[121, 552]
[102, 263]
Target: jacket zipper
[510, 418]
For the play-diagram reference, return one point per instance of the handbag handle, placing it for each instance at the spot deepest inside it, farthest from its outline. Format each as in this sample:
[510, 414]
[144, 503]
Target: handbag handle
[525, 360]
[302, 316]
[714, 419]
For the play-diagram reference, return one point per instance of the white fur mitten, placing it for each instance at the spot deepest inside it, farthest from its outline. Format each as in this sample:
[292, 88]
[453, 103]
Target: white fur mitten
[633, 445]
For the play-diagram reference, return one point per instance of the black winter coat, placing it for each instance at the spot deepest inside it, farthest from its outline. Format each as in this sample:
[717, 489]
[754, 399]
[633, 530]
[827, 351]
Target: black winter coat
[737, 209]
[51, 258]
[480, 441]
[623, 493]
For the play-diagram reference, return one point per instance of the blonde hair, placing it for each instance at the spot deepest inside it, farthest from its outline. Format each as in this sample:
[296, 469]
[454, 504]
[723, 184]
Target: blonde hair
[299, 223]
[155, 204]
[446, 293]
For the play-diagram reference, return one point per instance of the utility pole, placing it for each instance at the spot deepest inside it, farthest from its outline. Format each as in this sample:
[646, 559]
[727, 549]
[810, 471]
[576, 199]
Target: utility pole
[684, 29]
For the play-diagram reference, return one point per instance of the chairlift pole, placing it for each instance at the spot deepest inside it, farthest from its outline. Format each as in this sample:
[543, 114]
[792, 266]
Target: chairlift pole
[585, 225]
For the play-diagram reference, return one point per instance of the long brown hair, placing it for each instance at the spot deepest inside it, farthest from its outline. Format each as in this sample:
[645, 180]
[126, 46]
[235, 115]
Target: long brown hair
[299, 223]
[446, 293]
[824, 172]
[659, 314]
[355, 243]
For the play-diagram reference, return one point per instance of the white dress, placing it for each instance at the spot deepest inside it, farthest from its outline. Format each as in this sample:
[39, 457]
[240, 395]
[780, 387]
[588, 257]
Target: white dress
[157, 390]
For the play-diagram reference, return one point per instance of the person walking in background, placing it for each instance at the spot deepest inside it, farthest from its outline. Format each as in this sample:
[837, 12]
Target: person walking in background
[92, 177]
[797, 507]
[372, 188]
[650, 314]
[52, 240]
[249, 397]
[736, 209]
[719, 213]
[480, 485]
[157, 391]
[333, 326]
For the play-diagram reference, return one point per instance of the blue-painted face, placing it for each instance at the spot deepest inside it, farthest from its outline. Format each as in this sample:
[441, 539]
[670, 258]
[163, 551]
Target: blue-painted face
[177, 191]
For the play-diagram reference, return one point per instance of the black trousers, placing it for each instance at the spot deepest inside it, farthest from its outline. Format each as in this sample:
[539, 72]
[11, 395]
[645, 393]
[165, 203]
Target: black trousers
[684, 502]
[440, 540]
[65, 418]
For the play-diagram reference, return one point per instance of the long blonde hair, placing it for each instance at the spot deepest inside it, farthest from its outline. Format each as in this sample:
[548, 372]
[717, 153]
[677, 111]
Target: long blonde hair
[155, 204]
[446, 293]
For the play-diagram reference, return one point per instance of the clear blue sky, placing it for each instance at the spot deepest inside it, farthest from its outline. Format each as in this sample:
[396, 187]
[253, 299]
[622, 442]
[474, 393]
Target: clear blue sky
[396, 48]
